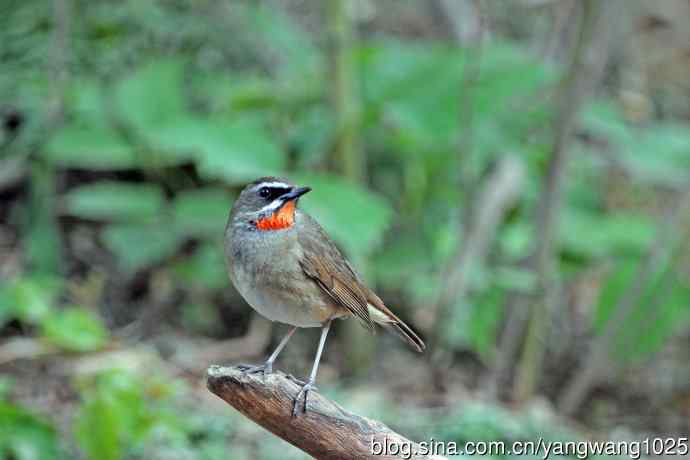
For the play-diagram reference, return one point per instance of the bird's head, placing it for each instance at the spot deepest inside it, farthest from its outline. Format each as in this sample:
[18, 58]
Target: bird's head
[268, 203]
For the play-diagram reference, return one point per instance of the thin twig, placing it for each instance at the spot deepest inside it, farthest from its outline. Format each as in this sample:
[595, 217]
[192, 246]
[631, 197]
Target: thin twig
[517, 315]
[500, 191]
[588, 60]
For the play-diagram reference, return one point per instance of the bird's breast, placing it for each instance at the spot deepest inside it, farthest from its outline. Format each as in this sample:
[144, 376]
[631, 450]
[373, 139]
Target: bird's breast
[265, 270]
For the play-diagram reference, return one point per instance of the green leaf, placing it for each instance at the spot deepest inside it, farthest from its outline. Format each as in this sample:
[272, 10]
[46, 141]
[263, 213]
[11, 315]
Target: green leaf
[174, 141]
[202, 212]
[410, 85]
[354, 216]
[516, 239]
[400, 261]
[515, 279]
[89, 147]
[590, 234]
[25, 436]
[98, 431]
[205, 269]
[475, 322]
[115, 201]
[251, 93]
[508, 71]
[657, 314]
[107, 415]
[287, 44]
[42, 235]
[152, 94]
[606, 120]
[390, 69]
[657, 319]
[75, 329]
[659, 154]
[235, 152]
[140, 246]
[614, 287]
[485, 320]
[85, 98]
[29, 299]
[222, 92]
[311, 134]
[89, 141]
[121, 410]
[152, 102]
[7, 383]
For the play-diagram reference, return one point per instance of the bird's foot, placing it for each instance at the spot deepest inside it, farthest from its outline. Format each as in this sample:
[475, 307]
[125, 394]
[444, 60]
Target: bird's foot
[303, 394]
[263, 369]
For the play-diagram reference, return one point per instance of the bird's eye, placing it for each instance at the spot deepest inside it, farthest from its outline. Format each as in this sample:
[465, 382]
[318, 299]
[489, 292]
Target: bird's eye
[264, 192]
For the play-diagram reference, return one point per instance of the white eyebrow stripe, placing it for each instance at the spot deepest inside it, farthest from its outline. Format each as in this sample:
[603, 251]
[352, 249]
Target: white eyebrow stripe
[272, 185]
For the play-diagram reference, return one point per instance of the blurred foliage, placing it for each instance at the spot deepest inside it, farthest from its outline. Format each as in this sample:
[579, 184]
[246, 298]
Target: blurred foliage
[120, 411]
[26, 436]
[168, 108]
[485, 422]
[32, 300]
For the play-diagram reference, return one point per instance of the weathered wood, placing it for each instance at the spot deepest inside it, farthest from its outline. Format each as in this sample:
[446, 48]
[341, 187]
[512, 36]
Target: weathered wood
[326, 431]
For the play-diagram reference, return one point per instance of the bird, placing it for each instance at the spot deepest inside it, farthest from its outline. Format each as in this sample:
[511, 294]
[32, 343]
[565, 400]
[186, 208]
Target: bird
[287, 268]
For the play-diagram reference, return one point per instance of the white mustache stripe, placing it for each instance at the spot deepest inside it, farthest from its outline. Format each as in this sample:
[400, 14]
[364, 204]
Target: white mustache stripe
[272, 185]
[272, 206]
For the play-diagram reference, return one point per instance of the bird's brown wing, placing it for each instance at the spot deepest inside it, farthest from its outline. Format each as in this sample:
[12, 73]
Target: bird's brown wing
[322, 261]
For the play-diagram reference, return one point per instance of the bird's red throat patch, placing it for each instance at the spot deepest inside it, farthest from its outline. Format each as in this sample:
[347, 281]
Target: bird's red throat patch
[281, 219]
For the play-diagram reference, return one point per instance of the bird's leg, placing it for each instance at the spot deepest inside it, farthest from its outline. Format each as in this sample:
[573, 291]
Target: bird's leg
[307, 387]
[267, 367]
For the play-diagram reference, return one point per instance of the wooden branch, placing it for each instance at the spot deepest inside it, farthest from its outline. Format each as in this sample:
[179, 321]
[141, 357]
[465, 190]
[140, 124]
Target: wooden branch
[326, 431]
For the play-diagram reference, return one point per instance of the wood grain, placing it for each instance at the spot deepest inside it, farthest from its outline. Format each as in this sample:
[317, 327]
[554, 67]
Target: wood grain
[326, 431]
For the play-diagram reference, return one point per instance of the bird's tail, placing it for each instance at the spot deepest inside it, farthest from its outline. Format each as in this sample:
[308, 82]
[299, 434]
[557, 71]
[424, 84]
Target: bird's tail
[385, 317]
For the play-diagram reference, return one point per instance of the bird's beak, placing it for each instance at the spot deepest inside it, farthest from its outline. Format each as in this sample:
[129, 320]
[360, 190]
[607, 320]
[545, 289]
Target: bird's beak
[295, 193]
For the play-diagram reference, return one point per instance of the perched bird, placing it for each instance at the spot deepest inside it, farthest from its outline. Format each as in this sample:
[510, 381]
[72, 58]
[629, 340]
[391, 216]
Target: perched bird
[289, 270]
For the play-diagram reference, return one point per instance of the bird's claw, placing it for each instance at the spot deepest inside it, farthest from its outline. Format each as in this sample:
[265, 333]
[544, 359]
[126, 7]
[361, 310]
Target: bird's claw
[263, 369]
[303, 394]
